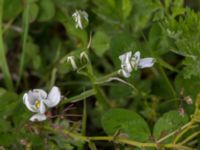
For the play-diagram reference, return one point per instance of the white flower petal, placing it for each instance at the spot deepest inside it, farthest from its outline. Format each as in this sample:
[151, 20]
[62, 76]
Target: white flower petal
[28, 104]
[125, 56]
[33, 96]
[41, 93]
[53, 98]
[38, 117]
[125, 61]
[146, 62]
[79, 22]
[42, 108]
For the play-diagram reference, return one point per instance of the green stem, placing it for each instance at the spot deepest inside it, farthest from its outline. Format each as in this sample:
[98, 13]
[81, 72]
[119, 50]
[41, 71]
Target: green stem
[106, 77]
[24, 38]
[183, 132]
[80, 97]
[3, 61]
[99, 93]
[174, 132]
[88, 139]
[84, 122]
[190, 138]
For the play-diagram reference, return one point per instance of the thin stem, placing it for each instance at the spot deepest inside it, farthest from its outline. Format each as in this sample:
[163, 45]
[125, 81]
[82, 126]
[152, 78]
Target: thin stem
[92, 146]
[84, 122]
[113, 139]
[183, 132]
[80, 97]
[24, 38]
[53, 77]
[174, 132]
[99, 93]
[3, 61]
[106, 77]
[171, 88]
[190, 138]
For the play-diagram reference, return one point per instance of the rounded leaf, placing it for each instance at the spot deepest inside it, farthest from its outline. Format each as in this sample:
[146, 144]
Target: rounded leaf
[128, 123]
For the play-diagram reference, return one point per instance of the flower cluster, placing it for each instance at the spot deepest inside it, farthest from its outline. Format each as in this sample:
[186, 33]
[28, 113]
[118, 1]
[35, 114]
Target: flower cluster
[37, 100]
[130, 62]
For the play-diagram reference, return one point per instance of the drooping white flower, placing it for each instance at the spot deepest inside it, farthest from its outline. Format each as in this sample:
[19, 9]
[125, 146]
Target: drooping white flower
[37, 100]
[81, 18]
[126, 68]
[71, 60]
[129, 62]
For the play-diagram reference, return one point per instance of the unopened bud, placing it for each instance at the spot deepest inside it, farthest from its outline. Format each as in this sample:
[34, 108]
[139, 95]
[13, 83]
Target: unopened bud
[71, 60]
[84, 58]
[81, 19]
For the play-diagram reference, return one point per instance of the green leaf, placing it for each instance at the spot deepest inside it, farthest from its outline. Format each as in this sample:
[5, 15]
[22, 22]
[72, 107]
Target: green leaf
[126, 8]
[127, 122]
[33, 12]
[187, 41]
[4, 125]
[100, 43]
[47, 10]
[120, 44]
[12, 9]
[7, 139]
[189, 86]
[168, 123]
[8, 101]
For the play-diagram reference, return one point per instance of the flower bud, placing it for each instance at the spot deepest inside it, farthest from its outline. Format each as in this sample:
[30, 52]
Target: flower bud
[84, 58]
[81, 19]
[71, 60]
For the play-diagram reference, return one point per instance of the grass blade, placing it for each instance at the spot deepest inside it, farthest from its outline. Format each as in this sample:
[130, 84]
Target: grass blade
[24, 38]
[4, 66]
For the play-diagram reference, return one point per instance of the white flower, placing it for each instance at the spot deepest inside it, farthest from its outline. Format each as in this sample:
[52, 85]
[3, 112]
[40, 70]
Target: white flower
[81, 18]
[126, 68]
[37, 100]
[72, 62]
[129, 62]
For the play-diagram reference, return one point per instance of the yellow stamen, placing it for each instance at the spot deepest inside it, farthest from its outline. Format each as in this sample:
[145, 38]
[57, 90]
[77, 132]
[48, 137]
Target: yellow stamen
[37, 104]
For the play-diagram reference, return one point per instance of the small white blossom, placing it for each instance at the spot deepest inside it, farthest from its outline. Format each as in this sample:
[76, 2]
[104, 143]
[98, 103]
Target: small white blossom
[71, 60]
[129, 62]
[81, 18]
[37, 100]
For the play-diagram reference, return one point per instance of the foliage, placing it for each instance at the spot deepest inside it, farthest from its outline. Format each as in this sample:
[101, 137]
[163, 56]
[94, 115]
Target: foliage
[149, 110]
